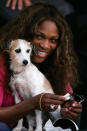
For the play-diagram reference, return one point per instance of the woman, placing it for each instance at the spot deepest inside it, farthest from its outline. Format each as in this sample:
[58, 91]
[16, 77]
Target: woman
[43, 25]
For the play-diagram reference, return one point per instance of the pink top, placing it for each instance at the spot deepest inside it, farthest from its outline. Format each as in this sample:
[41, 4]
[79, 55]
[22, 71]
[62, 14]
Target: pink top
[69, 89]
[6, 99]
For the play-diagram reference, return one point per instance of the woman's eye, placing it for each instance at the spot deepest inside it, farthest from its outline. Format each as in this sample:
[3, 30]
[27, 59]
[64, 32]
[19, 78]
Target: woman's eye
[18, 50]
[53, 40]
[28, 50]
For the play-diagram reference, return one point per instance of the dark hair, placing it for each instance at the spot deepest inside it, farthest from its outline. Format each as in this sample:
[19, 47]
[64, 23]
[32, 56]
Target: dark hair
[60, 67]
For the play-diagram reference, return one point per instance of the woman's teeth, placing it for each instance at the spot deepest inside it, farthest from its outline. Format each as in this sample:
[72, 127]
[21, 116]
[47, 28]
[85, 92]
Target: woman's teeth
[41, 54]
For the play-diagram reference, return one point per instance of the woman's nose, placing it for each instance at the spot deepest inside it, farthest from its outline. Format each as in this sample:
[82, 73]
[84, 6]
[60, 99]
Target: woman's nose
[45, 44]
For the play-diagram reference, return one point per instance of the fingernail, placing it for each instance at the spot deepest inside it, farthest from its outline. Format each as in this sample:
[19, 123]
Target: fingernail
[13, 8]
[73, 104]
[20, 8]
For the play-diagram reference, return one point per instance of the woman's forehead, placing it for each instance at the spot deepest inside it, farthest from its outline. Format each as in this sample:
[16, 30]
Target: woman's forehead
[48, 26]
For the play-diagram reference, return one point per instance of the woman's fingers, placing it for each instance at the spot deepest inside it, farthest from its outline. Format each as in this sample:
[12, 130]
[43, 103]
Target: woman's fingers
[72, 115]
[18, 3]
[50, 102]
[54, 97]
[69, 114]
[76, 107]
[27, 2]
[73, 111]
[13, 6]
[13, 3]
[8, 3]
[47, 101]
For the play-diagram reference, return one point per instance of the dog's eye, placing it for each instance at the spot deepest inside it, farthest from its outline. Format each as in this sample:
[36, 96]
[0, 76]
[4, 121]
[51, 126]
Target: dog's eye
[27, 50]
[18, 50]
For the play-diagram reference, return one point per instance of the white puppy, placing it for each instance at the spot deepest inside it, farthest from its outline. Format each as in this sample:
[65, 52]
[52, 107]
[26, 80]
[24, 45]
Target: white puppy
[27, 80]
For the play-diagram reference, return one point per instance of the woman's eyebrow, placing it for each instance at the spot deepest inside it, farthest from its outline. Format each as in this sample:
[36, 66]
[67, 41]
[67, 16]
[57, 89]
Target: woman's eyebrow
[43, 35]
[55, 37]
[40, 33]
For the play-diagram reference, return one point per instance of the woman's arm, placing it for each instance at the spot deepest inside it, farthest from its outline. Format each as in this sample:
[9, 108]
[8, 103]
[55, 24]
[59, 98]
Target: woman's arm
[15, 112]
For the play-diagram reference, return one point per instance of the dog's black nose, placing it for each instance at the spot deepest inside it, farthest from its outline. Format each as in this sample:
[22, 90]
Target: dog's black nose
[25, 62]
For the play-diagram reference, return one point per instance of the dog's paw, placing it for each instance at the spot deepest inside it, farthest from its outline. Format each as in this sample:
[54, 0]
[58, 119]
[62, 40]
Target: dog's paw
[38, 129]
[24, 129]
[31, 129]
[17, 129]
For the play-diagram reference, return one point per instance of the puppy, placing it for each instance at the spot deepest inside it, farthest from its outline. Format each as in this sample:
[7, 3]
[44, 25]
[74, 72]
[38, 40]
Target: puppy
[27, 81]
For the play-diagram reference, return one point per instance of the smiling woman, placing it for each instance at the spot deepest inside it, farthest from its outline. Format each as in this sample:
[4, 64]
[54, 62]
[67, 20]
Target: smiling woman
[53, 54]
[45, 40]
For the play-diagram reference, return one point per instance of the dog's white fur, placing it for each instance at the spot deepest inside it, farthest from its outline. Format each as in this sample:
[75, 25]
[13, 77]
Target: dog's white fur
[29, 80]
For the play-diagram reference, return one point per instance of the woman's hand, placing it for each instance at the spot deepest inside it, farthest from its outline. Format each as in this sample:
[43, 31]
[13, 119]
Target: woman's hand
[71, 110]
[44, 101]
[19, 3]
